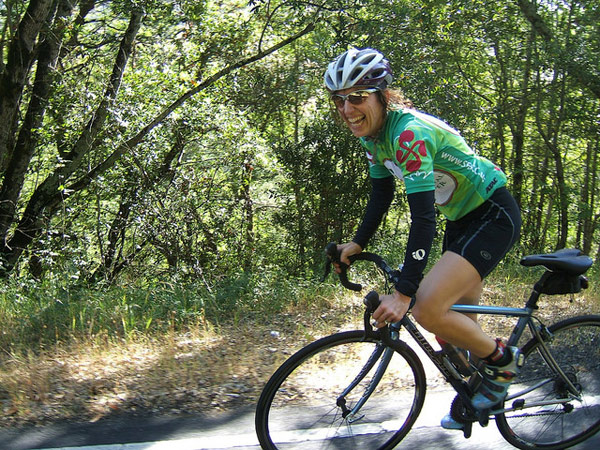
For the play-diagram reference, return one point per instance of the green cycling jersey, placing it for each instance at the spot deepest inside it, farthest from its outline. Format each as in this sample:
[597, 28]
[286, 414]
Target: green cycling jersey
[430, 155]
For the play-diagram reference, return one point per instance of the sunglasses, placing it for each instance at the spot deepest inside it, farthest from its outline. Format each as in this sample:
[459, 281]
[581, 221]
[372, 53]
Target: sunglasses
[355, 98]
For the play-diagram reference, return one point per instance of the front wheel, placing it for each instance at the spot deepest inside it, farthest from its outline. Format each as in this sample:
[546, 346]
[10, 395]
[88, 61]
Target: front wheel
[546, 414]
[308, 402]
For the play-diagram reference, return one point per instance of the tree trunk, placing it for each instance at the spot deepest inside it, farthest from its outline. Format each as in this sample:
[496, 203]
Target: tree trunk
[247, 246]
[534, 221]
[21, 55]
[518, 128]
[51, 191]
[588, 197]
[49, 48]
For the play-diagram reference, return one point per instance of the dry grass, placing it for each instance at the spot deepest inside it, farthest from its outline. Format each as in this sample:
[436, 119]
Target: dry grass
[201, 369]
[179, 372]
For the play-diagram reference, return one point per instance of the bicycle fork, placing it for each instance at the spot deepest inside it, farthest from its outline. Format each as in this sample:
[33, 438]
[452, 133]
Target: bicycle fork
[384, 355]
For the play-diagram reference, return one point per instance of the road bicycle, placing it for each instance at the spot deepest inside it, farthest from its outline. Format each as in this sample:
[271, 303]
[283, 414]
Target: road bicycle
[364, 389]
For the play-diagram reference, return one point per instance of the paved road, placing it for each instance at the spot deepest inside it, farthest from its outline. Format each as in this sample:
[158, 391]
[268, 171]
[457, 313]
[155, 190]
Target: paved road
[232, 431]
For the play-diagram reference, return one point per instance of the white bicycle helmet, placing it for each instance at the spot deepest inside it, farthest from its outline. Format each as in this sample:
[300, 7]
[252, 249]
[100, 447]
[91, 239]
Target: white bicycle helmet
[365, 67]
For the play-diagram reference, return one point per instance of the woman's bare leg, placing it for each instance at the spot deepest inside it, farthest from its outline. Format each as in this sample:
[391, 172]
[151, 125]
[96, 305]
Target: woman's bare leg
[452, 280]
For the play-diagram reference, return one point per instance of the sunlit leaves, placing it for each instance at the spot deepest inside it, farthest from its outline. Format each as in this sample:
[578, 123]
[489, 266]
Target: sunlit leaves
[255, 155]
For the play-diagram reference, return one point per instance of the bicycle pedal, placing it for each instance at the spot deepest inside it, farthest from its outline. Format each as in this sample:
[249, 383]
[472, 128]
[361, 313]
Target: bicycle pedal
[484, 417]
[467, 429]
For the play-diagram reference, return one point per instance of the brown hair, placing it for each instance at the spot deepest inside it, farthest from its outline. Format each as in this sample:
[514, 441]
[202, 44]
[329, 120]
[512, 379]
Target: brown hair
[394, 100]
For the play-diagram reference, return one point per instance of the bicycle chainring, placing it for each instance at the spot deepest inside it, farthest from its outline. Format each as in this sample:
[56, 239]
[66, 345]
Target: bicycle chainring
[460, 412]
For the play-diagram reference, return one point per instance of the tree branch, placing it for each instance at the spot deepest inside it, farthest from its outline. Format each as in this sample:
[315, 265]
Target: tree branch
[577, 70]
[48, 51]
[48, 194]
[135, 140]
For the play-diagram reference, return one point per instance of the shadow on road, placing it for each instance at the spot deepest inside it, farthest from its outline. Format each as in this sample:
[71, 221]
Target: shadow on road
[123, 429]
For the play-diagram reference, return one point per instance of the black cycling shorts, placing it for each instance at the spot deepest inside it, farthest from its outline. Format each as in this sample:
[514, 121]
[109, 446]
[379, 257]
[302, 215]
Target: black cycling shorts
[487, 233]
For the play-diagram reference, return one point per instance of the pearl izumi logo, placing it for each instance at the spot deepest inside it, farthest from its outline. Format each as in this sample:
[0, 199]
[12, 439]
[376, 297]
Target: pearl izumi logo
[419, 255]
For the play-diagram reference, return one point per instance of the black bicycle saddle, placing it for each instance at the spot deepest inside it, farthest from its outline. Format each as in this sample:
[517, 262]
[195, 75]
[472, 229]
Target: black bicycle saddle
[569, 260]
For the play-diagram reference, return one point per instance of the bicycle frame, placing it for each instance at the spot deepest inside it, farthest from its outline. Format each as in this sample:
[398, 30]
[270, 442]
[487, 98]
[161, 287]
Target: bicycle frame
[524, 315]
[390, 336]
[525, 319]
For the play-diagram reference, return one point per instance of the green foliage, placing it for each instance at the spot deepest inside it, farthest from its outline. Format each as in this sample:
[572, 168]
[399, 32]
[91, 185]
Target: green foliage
[326, 188]
[40, 314]
[36, 315]
[226, 184]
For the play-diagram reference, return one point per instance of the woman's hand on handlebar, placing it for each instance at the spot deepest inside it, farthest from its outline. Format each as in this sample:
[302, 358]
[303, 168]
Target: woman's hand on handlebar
[392, 308]
[347, 250]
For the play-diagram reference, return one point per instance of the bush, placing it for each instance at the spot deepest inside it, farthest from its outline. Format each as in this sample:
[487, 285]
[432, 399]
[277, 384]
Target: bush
[40, 313]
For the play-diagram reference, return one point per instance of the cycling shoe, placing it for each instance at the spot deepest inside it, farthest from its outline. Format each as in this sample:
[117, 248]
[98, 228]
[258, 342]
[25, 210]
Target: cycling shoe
[496, 381]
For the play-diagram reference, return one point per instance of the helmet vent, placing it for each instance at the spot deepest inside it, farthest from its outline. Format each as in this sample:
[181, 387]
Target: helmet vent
[366, 67]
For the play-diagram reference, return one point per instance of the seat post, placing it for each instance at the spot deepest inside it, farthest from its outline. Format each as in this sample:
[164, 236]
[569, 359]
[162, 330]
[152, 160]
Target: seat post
[537, 290]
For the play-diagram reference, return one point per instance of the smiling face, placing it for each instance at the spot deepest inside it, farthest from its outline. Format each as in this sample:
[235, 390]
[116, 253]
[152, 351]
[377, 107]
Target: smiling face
[364, 119]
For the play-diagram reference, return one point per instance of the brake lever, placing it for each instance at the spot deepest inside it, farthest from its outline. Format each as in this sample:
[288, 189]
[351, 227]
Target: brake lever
[333, 256]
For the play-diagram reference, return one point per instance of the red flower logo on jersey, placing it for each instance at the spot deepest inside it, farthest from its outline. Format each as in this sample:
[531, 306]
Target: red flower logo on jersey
[406, 137]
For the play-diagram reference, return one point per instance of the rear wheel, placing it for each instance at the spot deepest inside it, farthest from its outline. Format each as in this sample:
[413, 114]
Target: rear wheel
[302, 406]
[566, 419]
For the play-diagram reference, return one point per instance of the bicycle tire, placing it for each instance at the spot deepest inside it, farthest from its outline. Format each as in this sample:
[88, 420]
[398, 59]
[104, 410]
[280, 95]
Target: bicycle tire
[297, 408]
[575, 345]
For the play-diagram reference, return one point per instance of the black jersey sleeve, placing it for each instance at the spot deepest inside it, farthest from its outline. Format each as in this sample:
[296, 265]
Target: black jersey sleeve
[420, 239]
[382, 194]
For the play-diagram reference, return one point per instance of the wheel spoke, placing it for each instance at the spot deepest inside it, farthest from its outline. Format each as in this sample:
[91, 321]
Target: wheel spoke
[299, 407]
[546, 413]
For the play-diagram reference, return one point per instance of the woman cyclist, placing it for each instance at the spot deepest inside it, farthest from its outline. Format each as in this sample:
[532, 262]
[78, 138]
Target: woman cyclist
[439, 169]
